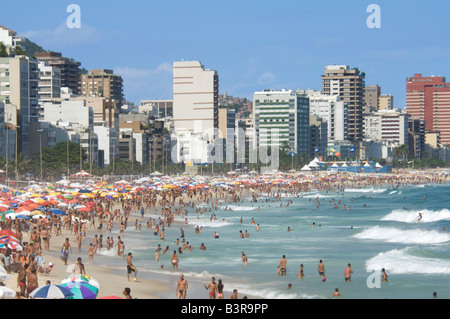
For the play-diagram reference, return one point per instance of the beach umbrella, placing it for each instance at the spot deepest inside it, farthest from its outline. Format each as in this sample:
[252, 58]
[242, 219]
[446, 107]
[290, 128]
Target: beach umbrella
[51, 292]
[7, 232]
[81, 290]
[57, 212]
[7, 293]
[11, 242]
[82, 278]
[110, 297]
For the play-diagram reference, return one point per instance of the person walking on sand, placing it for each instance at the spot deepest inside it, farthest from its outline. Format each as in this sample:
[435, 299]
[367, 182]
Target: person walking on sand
[91, 252]
[220, 289]
[212, 286]
[65, 251]
[182, 287]
[130, 267]
[79, 267]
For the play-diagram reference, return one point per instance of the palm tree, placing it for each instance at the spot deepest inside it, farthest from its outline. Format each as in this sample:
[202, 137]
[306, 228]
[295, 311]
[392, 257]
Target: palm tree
[401, 151]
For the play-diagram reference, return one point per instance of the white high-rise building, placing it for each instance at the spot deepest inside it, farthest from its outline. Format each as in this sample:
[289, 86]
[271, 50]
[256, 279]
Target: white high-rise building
[49, 86]
[387, 125]
[331, 109]
[195, 111]
[195, 97]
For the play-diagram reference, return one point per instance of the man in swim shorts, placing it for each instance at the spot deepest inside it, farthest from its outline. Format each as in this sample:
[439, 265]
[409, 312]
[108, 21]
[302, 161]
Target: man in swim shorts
[130, 267]
[321, 269]
[282, 266]
[182, 286]
[212, 288]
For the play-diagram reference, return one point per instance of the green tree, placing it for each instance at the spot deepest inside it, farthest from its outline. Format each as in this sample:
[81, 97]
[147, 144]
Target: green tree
[3, 53]
[19, 51]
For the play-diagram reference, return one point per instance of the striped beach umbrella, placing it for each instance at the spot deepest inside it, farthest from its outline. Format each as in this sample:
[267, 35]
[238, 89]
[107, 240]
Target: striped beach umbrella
[11, 242]
[82, 278]
[81, 290]
[51, 292]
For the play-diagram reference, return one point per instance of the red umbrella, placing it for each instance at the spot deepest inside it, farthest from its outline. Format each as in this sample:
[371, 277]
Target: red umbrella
[110, 297]
[7, 232]
[10, 242]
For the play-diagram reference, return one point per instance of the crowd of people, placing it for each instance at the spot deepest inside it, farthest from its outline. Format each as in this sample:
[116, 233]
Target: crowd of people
[106, 214]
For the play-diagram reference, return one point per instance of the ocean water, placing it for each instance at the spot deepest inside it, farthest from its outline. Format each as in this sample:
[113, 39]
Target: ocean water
[381, 230]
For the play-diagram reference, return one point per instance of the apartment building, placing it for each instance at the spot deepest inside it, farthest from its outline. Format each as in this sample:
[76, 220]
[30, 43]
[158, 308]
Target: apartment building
[349, 85]
[428, 98]
[69, 69]
[103, 83]
[281, 118]
[387, 125]
[19, 77]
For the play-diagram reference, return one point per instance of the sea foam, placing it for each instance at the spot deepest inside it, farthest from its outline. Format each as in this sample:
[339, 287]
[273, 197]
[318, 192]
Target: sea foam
[403, 261]
[407, 216]
[405, 236]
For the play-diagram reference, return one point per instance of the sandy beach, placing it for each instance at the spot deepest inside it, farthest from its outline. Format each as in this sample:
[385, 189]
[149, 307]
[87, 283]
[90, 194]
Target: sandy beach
[110, 282]
[151, 286]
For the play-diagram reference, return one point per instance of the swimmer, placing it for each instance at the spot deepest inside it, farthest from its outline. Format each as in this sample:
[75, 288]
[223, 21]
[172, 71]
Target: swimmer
[348, 273]
[300, 274]
[282, 266]
[384, 277]
[321, 269]
[244, 258]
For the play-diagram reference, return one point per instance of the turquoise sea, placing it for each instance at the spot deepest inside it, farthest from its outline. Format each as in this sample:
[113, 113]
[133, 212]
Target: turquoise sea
[381, 230]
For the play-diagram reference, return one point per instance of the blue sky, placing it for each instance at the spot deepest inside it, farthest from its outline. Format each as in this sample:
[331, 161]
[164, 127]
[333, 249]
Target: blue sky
[253, 45]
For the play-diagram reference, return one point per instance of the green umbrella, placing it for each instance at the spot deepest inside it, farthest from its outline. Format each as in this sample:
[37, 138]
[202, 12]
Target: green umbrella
[81, 290]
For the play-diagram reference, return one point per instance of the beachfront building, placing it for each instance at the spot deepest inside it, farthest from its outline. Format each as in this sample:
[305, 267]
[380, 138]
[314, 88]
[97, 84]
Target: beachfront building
[349, 85]
[387, 125]
[49, 86]
[416, 138]
[319, 131]
[195, 97]
[19, 77]
[428, 98]
[281, 119]
[331, 109]
[227, 132]
[103, 83]
[69, 69]
[108, 138]
[195, 111]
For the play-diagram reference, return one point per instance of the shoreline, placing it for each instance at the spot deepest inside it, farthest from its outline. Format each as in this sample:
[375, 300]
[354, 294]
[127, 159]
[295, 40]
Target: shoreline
[162, 286]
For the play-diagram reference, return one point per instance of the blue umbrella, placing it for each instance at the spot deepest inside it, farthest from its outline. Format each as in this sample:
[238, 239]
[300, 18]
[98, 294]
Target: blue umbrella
[57, 211]
[51, 292]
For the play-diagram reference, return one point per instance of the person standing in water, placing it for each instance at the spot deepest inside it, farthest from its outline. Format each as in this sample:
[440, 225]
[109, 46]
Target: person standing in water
[282, 266]
[321, 269]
